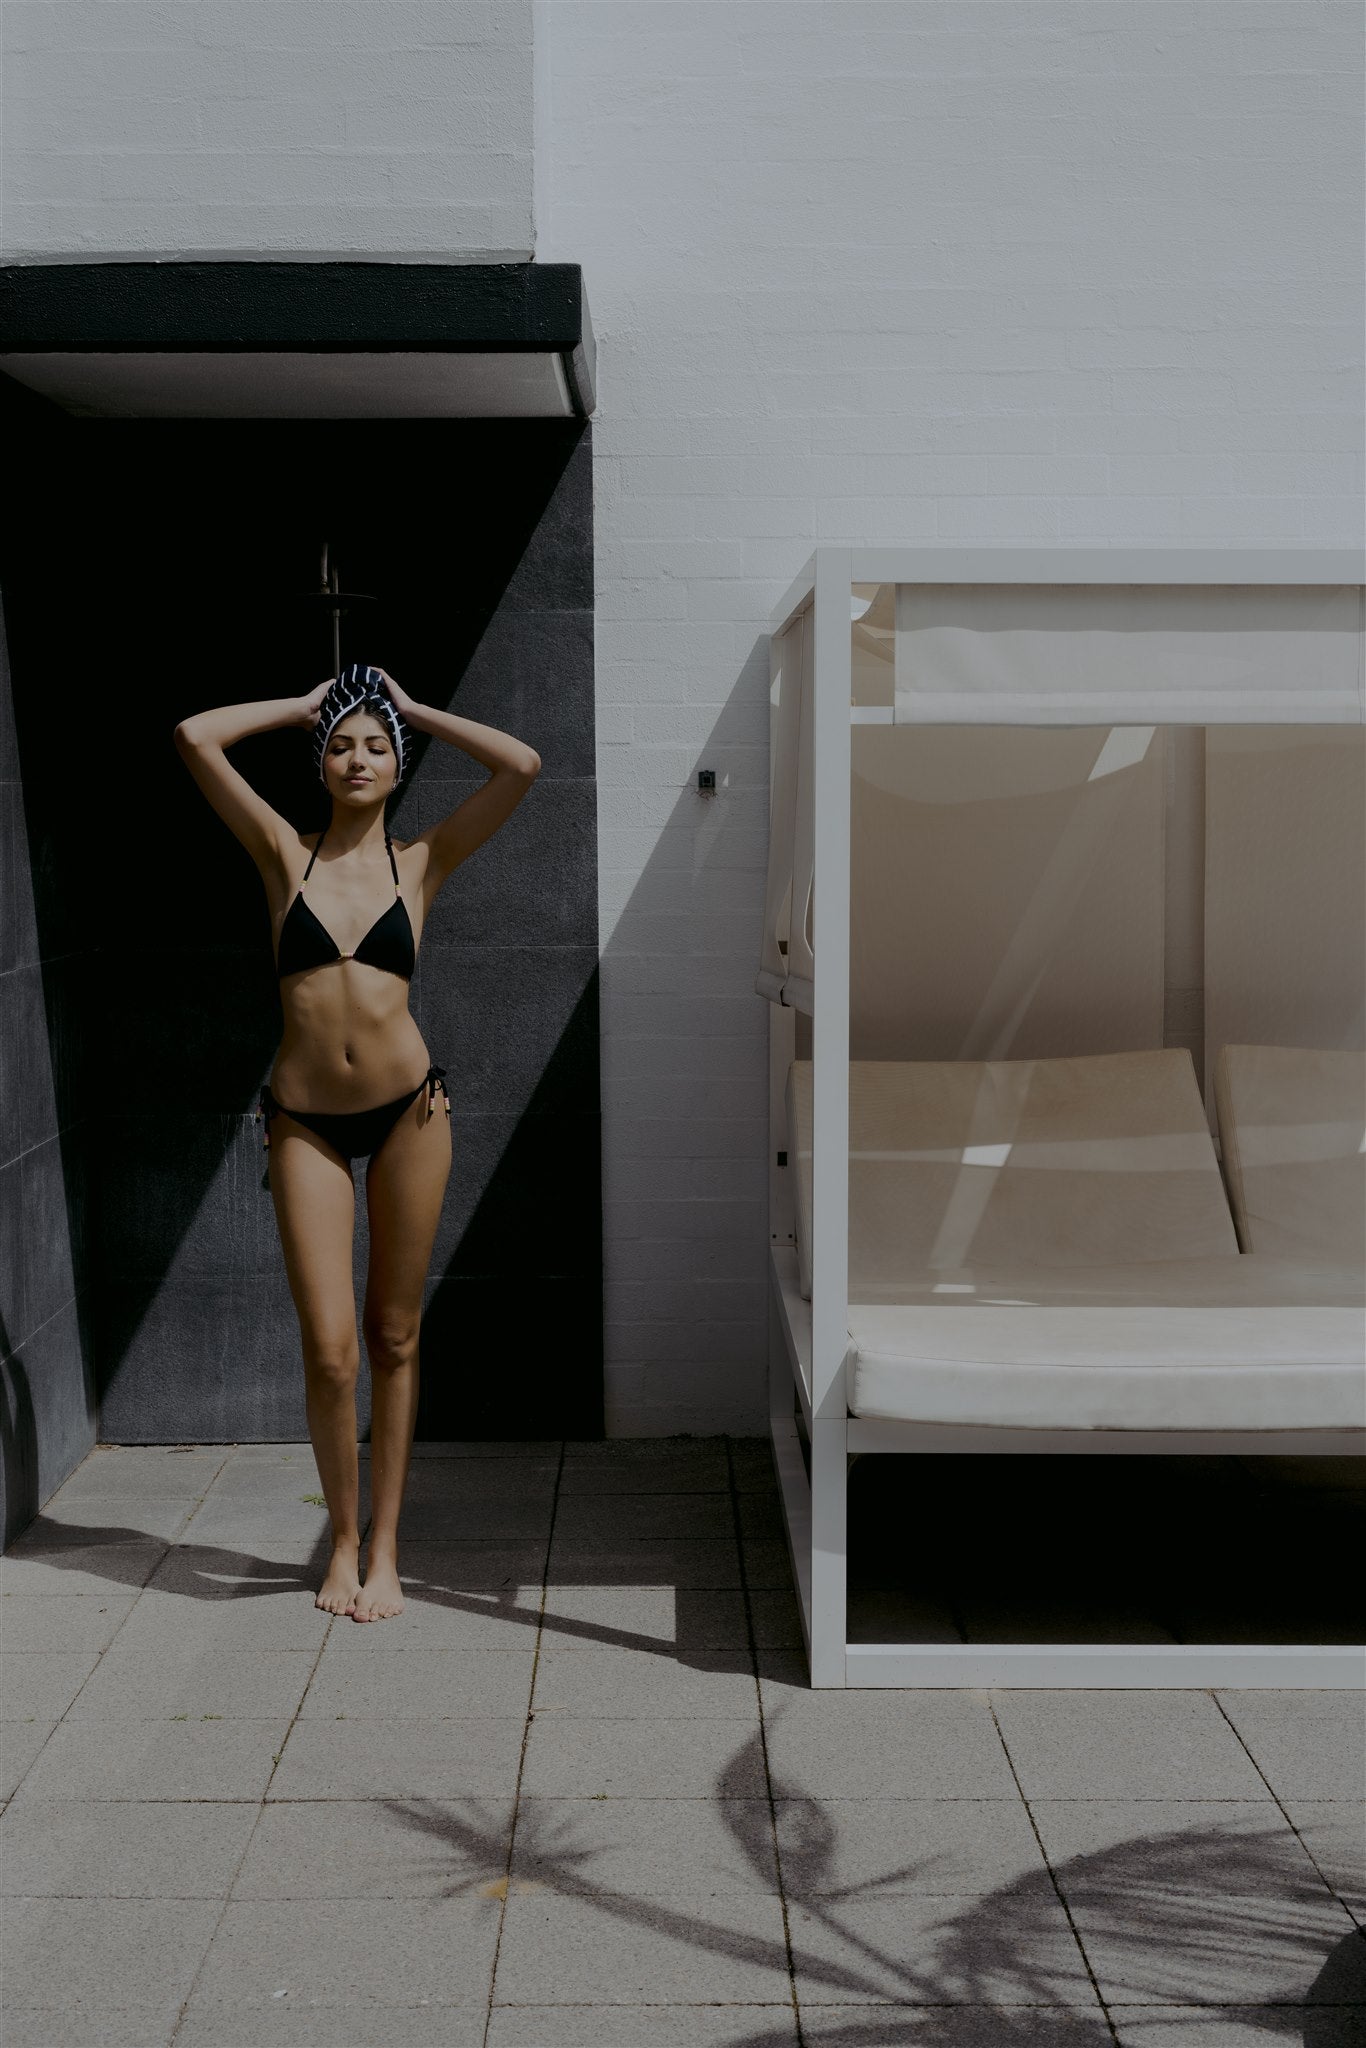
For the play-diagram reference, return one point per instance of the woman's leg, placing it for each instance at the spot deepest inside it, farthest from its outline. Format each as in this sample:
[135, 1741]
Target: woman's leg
[404, 1183]
[315, 1207]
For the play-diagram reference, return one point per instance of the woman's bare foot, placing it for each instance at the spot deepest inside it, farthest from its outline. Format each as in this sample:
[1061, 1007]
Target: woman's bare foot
[381, 1595]
[340, 1588]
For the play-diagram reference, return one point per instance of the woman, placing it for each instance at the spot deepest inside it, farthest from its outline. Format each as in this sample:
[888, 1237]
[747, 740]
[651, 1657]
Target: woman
[348, 1066]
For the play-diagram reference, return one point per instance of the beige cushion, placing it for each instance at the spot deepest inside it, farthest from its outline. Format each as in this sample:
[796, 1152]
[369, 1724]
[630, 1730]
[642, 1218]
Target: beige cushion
[1161, 1364]
[1292, 1123]
[1101, 1159]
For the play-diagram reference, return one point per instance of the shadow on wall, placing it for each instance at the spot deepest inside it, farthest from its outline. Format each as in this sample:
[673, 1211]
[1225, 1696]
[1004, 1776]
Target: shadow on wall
[48, 947]
[185, 587]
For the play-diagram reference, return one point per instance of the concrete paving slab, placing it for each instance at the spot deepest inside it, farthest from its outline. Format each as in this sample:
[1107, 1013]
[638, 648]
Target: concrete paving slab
[613, 1519]
[1179, 1949]
[81, 1568]
[776, 1619]
[473, 1479]
[643, 2026]
[767, 1565]
[351, 1953]
[649, 1618]
[142, 1471]
[670, 1473]
[1124, 1745]
[20, 1744]
[421, 1685]
[625, 1684]
[645, 1846]
[536, 1449]
[277, 1475]
[385, 1848]
[1010, 1948]
[101, 1518]
[751, 1464]
[216, 1572]
[439, 1619]
[247, 1616]
[288, 2022]
[611, 1950]
[677, 1561]
[39, 1684]
[1248, 2026]
[639, 1453]
[1309, 1745]
[980, 2026]
[296, 1532]
[399, 1760]
[694, 1759]
[1211, 1848]
[761, 1517]
[91, 1849]
[228, 1759]
[468, 1565]
[1334, 1834]
[86, 1952]
[890, 1846]
[133, 1684]
[890, 1745]
[494, 1517]
[52, 1624]
[98, 2026]
[265, 1453]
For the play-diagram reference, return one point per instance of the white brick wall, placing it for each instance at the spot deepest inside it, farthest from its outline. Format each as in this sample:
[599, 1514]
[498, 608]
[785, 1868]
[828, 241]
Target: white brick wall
[859, 270]
[911, 270]
[305, 128]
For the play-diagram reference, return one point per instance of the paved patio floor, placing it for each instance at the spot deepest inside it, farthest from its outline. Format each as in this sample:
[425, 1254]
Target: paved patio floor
[580, 1793]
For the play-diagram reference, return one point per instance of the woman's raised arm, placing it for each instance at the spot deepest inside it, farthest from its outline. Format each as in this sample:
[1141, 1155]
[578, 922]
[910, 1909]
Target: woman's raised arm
[513, 766]
[200, 741]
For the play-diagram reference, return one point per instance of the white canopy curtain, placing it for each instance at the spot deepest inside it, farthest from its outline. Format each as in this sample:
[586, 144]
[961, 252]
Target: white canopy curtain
[1078, 805]
[1128, 654]
[1111, 654]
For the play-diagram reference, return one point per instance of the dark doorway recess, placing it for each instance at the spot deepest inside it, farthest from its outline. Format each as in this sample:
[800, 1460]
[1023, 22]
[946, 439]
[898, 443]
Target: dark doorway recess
[159, 567]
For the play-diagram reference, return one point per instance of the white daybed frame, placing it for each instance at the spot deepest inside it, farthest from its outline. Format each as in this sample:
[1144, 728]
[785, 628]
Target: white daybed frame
[809, 1342]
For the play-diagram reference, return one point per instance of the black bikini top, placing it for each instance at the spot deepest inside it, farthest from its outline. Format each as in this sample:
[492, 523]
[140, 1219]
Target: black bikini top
[305, 942]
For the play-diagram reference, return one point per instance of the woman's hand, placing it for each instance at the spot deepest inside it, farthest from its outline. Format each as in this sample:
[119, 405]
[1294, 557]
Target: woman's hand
[312, 704]
[400, 699]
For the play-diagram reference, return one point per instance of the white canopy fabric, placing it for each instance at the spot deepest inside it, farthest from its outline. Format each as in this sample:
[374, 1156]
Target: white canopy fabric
[1118, 654]
[1124, 657]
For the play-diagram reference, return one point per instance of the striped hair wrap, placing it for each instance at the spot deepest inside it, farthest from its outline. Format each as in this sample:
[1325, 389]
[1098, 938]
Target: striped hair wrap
[358, 685]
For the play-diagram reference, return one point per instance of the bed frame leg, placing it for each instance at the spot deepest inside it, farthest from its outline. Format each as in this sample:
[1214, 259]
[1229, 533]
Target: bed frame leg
[829, 1548]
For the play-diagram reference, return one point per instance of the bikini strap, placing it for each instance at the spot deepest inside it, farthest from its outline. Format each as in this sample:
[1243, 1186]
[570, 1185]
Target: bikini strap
[314, 855]
[389, 848]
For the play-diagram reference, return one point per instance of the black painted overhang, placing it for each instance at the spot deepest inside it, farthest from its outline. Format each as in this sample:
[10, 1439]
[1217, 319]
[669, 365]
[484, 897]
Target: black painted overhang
[328, 308]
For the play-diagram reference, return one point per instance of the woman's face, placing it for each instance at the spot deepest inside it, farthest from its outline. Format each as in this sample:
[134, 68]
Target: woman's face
[360, 763]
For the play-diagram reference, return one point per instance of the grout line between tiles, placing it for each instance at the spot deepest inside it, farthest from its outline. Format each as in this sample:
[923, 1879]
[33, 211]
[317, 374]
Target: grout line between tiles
[763, 1746]
[521, 1754]
[1281, 1807]
[251, 1832]
[1052, 1874]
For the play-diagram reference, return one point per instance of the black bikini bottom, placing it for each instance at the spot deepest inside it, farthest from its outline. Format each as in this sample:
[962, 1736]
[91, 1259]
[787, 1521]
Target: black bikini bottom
[357, 1131]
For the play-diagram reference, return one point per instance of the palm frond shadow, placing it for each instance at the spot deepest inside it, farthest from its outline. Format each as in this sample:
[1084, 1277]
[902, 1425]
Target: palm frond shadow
[1171, 1915]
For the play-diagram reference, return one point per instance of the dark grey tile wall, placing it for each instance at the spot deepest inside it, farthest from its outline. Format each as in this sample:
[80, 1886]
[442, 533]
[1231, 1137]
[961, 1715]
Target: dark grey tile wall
[476, 537]
[47, 1118]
